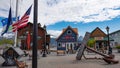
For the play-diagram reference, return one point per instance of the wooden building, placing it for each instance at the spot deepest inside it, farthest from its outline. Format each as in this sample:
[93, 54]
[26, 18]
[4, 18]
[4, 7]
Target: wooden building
[43, 37]
[101, 40]
[68, 39]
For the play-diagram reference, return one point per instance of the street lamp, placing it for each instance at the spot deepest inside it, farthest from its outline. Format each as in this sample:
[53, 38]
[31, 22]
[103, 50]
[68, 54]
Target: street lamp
[44, 49]
[110, 49]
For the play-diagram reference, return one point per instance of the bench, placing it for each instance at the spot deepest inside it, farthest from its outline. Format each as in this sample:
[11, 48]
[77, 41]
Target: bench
[53, 50]
[20, 64]
[60, 52]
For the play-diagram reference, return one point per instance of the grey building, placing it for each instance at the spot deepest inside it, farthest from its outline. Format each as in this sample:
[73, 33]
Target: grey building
[116, 37]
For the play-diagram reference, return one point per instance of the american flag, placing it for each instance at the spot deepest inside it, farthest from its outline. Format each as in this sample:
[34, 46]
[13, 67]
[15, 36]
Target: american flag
[23, 21]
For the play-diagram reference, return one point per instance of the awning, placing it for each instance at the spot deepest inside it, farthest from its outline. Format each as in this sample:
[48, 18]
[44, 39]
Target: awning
[106, 39]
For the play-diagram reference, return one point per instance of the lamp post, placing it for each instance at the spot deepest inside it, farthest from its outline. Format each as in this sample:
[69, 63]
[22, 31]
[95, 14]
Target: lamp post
[110, 49]
[44, 49]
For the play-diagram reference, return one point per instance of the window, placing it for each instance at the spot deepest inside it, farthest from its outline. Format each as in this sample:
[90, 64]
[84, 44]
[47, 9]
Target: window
[116, 43]
[69, 32]
[59, 45]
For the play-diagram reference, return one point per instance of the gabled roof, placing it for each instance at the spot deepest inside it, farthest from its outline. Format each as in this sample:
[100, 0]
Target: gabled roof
[115, 32]
[75, 30]
[31, 24]
[97, 32]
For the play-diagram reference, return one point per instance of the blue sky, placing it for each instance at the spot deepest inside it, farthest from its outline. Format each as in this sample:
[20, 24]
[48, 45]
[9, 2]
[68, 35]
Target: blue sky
[88, 27]
[85, 15]
[1, 22]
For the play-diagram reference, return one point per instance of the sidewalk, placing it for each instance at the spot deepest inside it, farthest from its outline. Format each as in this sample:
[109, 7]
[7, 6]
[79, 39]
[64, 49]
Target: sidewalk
[69, 61]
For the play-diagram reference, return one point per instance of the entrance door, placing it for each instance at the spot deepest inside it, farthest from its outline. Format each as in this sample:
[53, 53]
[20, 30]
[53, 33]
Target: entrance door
[71, 46]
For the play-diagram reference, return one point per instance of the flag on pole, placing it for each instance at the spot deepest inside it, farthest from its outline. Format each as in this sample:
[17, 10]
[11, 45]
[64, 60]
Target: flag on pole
[5, 20]
[23, 21]
[28, 40]
[9, 22]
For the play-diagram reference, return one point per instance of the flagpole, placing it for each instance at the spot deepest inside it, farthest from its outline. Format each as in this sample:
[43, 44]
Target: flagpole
[10, 3]
[15, 38]
[16, 21]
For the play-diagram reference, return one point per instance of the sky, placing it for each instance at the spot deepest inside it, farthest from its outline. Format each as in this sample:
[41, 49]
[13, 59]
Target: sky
[85, 15]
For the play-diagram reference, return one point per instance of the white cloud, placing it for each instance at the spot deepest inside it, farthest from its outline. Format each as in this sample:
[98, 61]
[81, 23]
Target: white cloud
[52, 11]
[55, 32]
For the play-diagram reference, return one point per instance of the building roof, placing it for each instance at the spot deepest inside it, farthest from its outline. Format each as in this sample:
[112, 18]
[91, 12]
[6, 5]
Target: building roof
[75, 30]
[115, 32]
[29, 27]
[97, 32]
[29, 23]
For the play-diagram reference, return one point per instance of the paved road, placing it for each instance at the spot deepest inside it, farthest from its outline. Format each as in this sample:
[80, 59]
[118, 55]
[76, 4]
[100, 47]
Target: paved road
[69, 61]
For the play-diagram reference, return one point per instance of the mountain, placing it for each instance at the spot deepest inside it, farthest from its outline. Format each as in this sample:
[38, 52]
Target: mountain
[53, 42]
[80, 38]
[8, 35]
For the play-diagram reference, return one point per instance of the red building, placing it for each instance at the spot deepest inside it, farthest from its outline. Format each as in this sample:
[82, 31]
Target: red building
[43, 37]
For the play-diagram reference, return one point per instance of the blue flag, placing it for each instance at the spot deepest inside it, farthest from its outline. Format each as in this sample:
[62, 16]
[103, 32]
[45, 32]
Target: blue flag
[9, 22]
[5, 20]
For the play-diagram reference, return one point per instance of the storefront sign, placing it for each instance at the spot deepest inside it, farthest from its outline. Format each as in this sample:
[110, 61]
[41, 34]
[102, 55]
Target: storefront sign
[98, 38]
